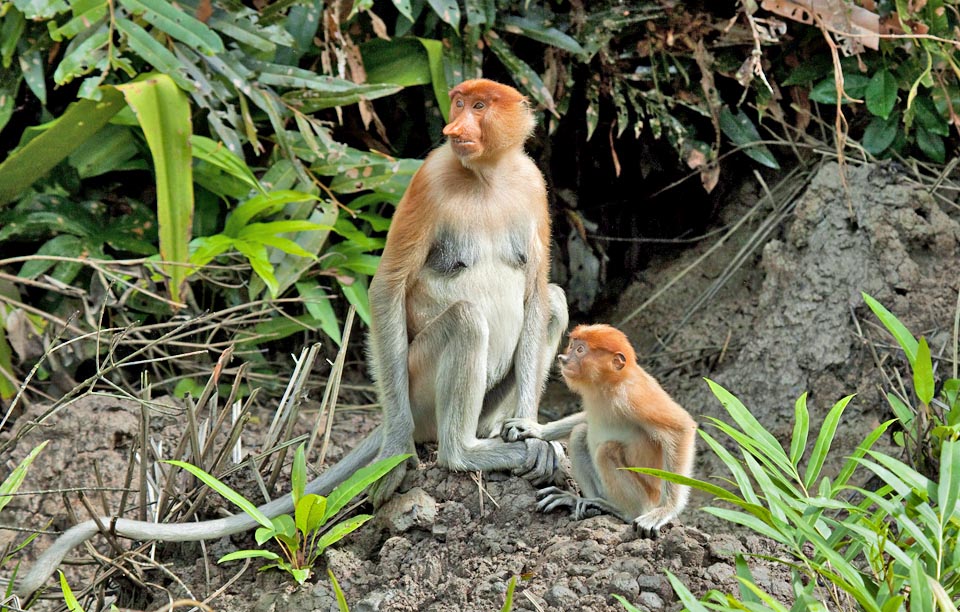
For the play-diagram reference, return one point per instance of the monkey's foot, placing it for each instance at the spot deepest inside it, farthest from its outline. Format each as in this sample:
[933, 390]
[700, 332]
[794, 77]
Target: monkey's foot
[648, 525]
[552, 498]
[544, 462]
[521, 429]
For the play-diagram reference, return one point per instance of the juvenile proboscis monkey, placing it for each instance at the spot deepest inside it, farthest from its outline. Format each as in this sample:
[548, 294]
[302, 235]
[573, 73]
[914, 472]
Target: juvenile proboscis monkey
[464, 322]
[628, 420]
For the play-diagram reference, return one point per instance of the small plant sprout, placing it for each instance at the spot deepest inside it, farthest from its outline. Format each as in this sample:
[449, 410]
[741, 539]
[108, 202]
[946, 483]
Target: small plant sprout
[304, 536]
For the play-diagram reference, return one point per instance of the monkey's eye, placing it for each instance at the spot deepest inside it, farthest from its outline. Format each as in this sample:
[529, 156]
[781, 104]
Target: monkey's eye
[580, 349]
[479, 106]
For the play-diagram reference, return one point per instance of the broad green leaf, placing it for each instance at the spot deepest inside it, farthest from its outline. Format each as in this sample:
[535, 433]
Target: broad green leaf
[83, 56]
[41, 10]
[448, 11]
[929, 118]
[356, 294]
[13, 481]
[931, 144]
[164, 114]
[881, 93]
[404, 8]
[110, 149]
[824, 439]
[310, 513]
[206, 248]
[262, 204]
[216, 154]
[256, 254]
[900, 333]
[285, 527]
[881, 133]
[288, 268]
[317, 300]
[263, 535]
[262, 231]
[801, 429]
[229, 494]
[62, 136]
[340, 531]
[921, 597]
[300, 574]
[854, 85]
[250, 554]
[154, 53]
[541, 31]
[923, 372]
[437, 74]
[168, 18]
[360, 480]
[525, 76]
[84, 17]
[743, 133]
[64, 245]
[31, 66]
[401, 61]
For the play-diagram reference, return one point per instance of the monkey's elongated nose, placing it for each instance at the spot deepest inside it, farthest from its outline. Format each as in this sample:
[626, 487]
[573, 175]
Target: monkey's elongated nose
[562, 358]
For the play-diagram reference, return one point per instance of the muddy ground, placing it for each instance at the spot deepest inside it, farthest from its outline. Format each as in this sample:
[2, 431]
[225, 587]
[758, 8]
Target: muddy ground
[789, 320]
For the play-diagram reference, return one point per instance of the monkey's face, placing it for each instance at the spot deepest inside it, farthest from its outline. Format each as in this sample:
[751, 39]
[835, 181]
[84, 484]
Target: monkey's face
[465, 130]
[584, 366]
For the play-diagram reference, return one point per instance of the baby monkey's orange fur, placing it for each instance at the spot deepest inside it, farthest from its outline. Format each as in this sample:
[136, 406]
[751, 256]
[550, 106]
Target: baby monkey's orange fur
[628, 420]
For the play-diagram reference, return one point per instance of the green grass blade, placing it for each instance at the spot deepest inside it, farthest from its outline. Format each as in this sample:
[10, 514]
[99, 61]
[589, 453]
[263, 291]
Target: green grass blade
[250, 554]
[68, 598]
[687, 598]
[824, 439]
[851, 464]
[298, 474]
[900, 333]
[748, 423]
[949, 488]
[704, 486]
[167, 17]
[923, 372]
[229, 494]
[341, 599]
[801, 430]
[164, 115]
[508, 600]
[12, 482]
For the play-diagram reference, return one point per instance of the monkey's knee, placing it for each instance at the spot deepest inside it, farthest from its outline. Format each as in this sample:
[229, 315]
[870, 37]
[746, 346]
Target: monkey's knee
[559, 315]
[466, 325]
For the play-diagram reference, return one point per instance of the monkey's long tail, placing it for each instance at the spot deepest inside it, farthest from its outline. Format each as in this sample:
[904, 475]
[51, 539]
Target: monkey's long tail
[51, 558]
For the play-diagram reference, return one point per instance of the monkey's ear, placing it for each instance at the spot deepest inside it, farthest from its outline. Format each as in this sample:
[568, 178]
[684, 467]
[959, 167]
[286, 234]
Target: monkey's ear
[619, 361]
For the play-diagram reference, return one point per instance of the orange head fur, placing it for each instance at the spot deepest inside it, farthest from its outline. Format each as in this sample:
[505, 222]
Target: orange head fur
[597, 355]
[487, 119]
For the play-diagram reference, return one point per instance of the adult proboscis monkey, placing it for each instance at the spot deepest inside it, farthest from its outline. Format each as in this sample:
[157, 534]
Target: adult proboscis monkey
[464, 322]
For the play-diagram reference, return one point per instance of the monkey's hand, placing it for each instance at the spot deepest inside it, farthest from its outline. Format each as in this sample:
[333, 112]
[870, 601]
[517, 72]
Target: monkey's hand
[521, 429]
[382, 490]
[544, 462]
[648, 525]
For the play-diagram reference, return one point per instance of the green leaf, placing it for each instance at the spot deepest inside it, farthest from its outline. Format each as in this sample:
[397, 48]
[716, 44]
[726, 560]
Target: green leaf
[825, 92]
[256, 254]
[900, 333]
[298, 474]
[948, 490]
[206, 248]
[217, 154]
[360, 480]
[881, 93]
[154, 53]
[401, 61]
[226, 492]
[164, 115]
[340, 531]
[931, 144]
[167, 17]
[309, 101]
[110, 149]
[921, 597]
[404, 8]
[540, 31]
[356, 294]
[250, 554]
[310, 513]
[41, 10]
[448, 11]
[508, 599]
[62, 136]
[317, 301]
[923, 372]
[743, 133]
[929, 118]
[68, 598]
[262, 535]
[801, 429]
[83, 56]
[881, 133]
[285, 527]
[901, 410]
[13, 481]
[300, 574]
[629, 607]
[64, 245]
[437, 75]
[341, 599]
[525, 76]
[687, 598]
[824, 439]
[262, 204]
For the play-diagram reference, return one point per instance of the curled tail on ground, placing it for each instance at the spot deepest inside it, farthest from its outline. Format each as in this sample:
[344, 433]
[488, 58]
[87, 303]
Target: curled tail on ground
[51, 558]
